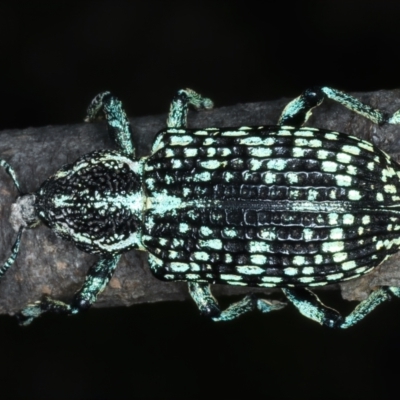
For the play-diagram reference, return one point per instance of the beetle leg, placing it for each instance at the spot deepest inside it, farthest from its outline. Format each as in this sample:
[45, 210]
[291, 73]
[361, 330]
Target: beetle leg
[311, 307]
[177, 117]
[96, 280]
[208, 305]
[297, 112]
[119, 127]
[14, 253]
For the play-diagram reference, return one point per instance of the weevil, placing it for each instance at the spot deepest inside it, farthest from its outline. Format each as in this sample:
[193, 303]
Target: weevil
[280, 206]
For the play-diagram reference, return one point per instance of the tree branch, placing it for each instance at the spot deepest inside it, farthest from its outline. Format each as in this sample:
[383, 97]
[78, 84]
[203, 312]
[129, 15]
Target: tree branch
[49, 265]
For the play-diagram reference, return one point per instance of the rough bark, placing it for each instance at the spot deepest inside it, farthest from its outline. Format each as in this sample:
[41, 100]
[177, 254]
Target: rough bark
[49, 265]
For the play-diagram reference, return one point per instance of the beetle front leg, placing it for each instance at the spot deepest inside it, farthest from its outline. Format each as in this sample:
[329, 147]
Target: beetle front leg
[177, 117]
[96, 280]
[208, 305]
[311, 307]
[119, 127]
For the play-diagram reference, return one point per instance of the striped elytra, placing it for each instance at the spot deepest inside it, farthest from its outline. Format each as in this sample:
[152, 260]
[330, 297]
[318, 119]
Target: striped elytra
[269, 206]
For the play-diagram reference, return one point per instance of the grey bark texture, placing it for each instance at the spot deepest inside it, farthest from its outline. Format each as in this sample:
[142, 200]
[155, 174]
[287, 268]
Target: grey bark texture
[48, 265]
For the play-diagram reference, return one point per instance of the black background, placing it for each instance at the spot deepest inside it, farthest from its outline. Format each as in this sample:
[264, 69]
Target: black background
[55, 56]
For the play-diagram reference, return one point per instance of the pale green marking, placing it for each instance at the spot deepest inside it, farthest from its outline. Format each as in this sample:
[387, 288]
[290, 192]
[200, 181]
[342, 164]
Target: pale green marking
[379, 197]
[258, 259]
[360, 230]
[351, 149]
[190, 152]
[318, 259]
[255, 164]
[390, 189]
[348, 219]
[277, 164]
[304, 133]
[312, 194]
[201, 256]
[292, 177]
[308, 234]
[336, 233]
[343, 158]
[306, 279]
[349, 265]
[255, 140]
[271, 279]
[249, 270]
[371, 166]
[268, 285]
[228, 176]
[169, 152]
[230, 232]
[366, 146]
[268, 233]
[284, 132]
[186, 191]
[183, 227]
[176, 163]
[224, 151]
[260, 151]
[329, 166]
[333, 218]
[334, 277]
[234, 133]
[172, 254]
[211, 244]
[192, 277]
[206, 231]
[228, 258]
[339, 257]
[213, 164]
[331, 136]
[169, 276]
[298, 260]
[323, 154]
[181, 140]
[360, 270]
[332, 194]
[211, 151]
[291, 271]
[168, 179]
[354, 195]
[231, 277]
[351, 170]
[332, 247]
[366, 220]
[306, 142]
[258, 247]
[343, 180]
[236, 283]
[202, 177]
[179, 267]
[293, 194]
[298, 152]
[245, 128]
[269, 177]
[307, 270]
[209, 141]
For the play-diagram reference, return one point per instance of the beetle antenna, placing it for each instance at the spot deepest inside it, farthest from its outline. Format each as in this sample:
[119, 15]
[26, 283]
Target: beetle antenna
[14, 253]
[10, 171]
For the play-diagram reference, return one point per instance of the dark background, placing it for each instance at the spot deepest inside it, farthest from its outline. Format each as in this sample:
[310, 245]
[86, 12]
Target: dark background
[55, 56]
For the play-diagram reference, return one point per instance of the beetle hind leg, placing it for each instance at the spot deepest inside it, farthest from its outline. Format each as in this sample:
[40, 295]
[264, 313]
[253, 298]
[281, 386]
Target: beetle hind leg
[208, 305]
[96, 280]
[177, 117]
[311, 307]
